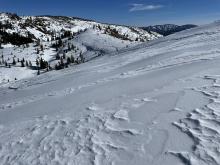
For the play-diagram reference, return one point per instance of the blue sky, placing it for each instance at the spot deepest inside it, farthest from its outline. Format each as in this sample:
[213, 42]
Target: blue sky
[128, 12]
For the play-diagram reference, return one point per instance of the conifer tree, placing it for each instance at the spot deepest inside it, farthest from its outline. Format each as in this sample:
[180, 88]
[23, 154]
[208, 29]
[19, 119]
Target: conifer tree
[41, 47]
[22, 63]
[43, 64]
[14, 62]
[37, 63]
[30, 64]
[72, 59]
[57, 56]
[27, 64]
[68, 60]
[69, 48]
[82, 59]
[64, 55]
[72, 47]
[61, 63]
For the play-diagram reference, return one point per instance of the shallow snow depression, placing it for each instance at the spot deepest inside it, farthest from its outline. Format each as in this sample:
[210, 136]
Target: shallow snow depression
[157, 103]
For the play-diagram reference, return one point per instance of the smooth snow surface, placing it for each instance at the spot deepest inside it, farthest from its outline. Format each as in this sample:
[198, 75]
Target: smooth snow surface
[156, 103]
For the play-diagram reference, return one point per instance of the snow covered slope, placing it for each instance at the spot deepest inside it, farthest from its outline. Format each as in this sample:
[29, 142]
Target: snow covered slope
[155, 103]
[90, 44]
[33, 38]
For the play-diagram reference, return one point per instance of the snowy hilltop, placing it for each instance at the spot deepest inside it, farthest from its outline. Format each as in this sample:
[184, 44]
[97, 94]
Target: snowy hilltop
[47, 28]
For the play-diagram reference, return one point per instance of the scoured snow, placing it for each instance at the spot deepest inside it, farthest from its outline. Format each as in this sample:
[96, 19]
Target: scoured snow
[122, 115]
[155, 103]
[203, 126]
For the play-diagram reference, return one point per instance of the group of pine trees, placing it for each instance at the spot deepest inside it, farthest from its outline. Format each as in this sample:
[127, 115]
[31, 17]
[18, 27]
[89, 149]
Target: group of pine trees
[14, 38]
[114, 32]
[41, 64]
[15, 62]
[65, 61]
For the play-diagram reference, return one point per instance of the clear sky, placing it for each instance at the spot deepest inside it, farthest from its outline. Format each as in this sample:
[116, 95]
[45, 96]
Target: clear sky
[128, 12]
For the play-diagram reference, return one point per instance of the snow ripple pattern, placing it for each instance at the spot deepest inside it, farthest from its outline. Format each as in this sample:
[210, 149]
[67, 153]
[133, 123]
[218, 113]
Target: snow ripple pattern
[203, 126]
[96, 138]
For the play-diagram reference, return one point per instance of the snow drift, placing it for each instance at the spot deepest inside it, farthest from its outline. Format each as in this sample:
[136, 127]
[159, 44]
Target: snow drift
[155, 103]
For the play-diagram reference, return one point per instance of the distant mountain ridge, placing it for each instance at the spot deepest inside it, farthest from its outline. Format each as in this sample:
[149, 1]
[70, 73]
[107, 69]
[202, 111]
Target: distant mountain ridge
[168, 29]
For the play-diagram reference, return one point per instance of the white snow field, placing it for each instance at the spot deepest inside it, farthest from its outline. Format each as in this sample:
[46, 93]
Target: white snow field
[153, 104]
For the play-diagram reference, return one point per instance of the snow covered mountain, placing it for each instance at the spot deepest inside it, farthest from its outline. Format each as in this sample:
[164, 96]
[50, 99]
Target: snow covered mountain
[46, 28]
[154, 103]
[34, 45]
[168, 29]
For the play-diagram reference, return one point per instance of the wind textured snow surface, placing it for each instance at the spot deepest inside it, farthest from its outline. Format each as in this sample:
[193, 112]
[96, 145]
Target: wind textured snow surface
[156, 103]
